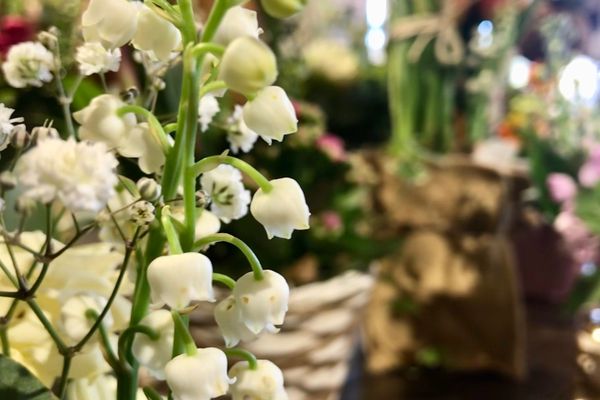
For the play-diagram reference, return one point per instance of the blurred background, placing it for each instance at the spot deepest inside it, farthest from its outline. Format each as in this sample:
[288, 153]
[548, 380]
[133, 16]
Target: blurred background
[450, 155]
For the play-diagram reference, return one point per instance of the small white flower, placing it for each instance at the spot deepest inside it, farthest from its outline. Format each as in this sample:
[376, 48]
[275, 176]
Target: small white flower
[155, 354]
[281, 210]
[229, 198]
[141, 213]
[178, 279]
[199, 377]
[233, 329]
[238, 21]
[100, 123]
[28, 64]
[155, 34]
[74, 322]
[80, 175]
[93, 58]
[262, 304]
[248, 65]
[271, 114]
[282, 8]
[6, 122]
[207, 109]
[110, 22]
[239, 136]
[263, 383]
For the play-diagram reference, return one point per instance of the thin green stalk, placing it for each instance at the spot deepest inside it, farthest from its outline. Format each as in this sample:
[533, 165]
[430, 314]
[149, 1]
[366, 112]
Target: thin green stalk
[64, 376]
[243, 354]
[211, 162]
[214, 19]
[170, 232]
[189, 24]
[182, 332]
[155, 127]
[37, 310]
[111, 358]
[126, 338]
[212, 86]
[4, 339]
[224, 279]
[243, 247]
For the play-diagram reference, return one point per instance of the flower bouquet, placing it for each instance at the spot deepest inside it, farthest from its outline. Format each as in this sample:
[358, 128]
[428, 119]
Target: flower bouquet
[83, 315]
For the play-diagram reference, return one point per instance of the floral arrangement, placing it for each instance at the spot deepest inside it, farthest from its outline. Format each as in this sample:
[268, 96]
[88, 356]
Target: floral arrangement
[83, 314]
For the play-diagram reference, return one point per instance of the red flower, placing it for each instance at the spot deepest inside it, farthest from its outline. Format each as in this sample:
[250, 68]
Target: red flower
[14, 30]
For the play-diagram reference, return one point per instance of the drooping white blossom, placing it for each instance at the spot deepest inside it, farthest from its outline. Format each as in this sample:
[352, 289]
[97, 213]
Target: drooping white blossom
[282, 8]
[271, 114]
[262, 303]
[155, 34]
[178, 279]
[143, 145]
[28, 64]
[263, 383]
[81, 175]
[238, 21]
[229, 198]
[239, 136]
[155, 354]
[199, 377]
[229, 320]
[110, 22]
[281, 210]
[93, 58]
[207, 109]
[248, 65]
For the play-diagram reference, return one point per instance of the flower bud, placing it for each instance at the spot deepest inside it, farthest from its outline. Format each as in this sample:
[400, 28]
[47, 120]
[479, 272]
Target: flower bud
[8, 180]
[149, 189]
[110, 22]
[262, 303]
[271, 114]
[141, 213]
[202, 376]
[155, 34]
[282, 8]
[44, 132]
[264, 382]
[237, 22]
[178, 279]
[248, 65]
[282, 209]
[20, 138]
[228, 318]
[155, 354]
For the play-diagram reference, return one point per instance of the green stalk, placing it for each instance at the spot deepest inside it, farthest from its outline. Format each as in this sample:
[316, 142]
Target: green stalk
[181, 331]
[209, 163]
[155, 127]
[243, 247]
[224, 279]
[214, 19]
[243, 354]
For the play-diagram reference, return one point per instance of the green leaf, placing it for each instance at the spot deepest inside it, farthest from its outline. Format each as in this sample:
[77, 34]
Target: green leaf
[588, 208]
[17, 383]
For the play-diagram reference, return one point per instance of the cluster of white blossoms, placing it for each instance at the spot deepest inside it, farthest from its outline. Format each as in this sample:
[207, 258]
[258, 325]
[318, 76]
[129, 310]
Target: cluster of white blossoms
[80, 309]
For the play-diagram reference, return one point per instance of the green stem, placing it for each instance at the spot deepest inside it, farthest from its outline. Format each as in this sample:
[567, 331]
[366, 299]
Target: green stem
[155, 127]
[37, 310]
[64, 376]
[170, 231]
[211, 162]
[189, 24]
[126, 338]
[151, 394]
[243, 247]
[211, 86]
[199, 50]
[243, 354]
[4, 339]
[224, 279]
[214, 19]
[182, 332]
[111, 358]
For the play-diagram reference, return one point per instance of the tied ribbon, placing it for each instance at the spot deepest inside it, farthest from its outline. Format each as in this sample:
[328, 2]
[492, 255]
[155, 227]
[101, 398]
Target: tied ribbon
[449, 47]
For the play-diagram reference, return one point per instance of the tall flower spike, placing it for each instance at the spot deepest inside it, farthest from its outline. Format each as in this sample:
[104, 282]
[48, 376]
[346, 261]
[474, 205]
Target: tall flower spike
[263, 383]
[248, 65]
[281, 210]
[176, 280]
[155, 354]
[202, 376]
[229, 320]
[262, 303]
[271, 114]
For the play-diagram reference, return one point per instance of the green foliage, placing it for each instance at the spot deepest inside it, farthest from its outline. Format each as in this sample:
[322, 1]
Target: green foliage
[17, 383]
[588, 208]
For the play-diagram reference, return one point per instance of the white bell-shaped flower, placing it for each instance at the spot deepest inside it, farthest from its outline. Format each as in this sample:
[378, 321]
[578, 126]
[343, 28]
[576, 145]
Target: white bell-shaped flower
[178, 279]
[110, 22]
[262, 303]
[263, 383]
[271, 114]
[282, 8]
[155, 354]
[248, 65]
[100, 123]
[233, 328]
[155, 34]
[237, 22]
[202, 376]
[281, 210]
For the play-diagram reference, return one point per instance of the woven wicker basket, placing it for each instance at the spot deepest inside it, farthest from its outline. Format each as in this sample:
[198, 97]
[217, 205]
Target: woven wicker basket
[317, 339]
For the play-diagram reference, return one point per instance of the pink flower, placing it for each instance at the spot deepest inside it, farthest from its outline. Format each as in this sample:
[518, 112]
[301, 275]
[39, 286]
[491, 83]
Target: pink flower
[332, 221]
[584, 245]
[562, 187]
[14, 30]
[333, 146]
[589, 173]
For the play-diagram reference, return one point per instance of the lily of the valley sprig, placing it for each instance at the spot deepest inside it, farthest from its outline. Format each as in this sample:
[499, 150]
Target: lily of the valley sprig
[85, 319]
